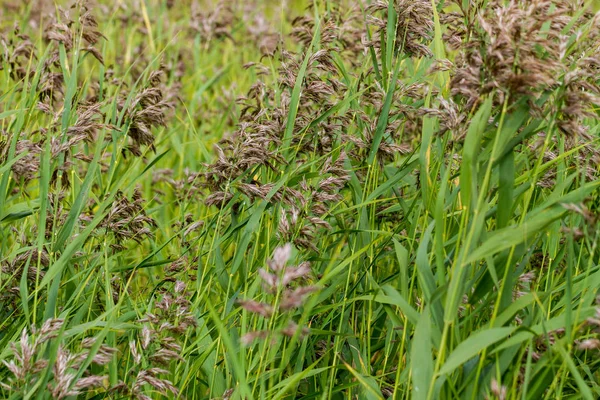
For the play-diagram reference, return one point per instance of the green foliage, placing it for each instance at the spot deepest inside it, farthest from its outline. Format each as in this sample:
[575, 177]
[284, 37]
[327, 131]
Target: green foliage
[264, 200]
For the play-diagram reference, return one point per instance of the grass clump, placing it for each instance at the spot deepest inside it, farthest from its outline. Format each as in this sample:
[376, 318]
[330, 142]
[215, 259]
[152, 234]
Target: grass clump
[257, 200]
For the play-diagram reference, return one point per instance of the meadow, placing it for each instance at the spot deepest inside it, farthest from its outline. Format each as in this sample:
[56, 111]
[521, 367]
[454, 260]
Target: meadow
[299, 199]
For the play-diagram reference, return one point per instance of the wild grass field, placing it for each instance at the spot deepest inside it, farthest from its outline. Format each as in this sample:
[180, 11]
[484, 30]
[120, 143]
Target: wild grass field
[299, 199]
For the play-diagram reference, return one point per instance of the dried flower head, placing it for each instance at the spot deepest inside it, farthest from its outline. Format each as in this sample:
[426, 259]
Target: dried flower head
[29, 363]
[279, 281]
[414, 25]
[127, 219]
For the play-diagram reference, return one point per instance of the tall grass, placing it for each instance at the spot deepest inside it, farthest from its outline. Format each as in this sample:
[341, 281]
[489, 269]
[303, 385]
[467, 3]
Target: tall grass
[312, 200]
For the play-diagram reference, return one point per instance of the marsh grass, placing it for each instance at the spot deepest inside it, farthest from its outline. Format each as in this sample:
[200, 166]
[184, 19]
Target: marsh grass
[276, 200]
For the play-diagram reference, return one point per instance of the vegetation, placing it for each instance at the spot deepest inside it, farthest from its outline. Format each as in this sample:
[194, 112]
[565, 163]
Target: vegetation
[254, 199]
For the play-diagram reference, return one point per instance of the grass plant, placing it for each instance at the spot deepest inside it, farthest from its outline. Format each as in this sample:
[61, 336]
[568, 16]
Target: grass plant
[328, 199]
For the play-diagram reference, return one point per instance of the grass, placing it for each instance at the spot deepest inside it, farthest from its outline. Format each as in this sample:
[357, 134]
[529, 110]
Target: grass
[311, 200]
